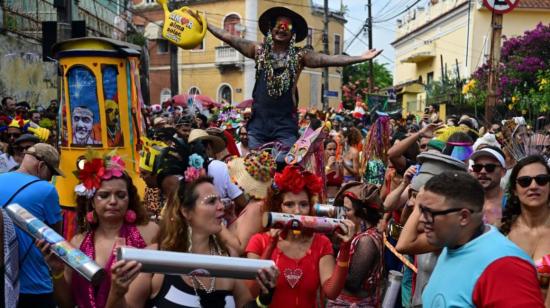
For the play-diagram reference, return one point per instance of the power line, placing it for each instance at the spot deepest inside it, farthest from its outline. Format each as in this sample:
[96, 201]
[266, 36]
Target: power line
[403, 11]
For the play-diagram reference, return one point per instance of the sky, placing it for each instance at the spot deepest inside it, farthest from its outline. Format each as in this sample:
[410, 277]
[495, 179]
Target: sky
[383, 24]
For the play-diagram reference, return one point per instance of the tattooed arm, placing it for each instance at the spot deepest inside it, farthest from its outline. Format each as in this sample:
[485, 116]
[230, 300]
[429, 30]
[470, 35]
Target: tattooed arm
[315, 59]
[246, 47]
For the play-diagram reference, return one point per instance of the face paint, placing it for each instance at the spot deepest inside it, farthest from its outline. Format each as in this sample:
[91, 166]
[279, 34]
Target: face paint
[283, 25]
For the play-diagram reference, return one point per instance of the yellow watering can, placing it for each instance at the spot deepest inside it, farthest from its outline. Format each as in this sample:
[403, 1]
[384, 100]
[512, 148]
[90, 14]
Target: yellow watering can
[181, 28]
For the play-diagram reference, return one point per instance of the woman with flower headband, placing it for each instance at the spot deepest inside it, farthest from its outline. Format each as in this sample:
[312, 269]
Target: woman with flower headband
[305, 260]
[362, 205]
[190, 224]
[109, 214]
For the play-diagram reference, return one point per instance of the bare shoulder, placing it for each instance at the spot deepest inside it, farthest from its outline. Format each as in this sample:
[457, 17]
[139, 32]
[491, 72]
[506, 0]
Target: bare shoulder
[149, 231]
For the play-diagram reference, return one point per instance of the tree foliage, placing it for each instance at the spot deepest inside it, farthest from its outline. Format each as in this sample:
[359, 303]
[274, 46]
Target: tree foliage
[523, 73]
[355, 81]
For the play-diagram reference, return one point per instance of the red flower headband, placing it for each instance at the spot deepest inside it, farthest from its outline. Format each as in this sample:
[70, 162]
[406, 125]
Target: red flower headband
[295, 180]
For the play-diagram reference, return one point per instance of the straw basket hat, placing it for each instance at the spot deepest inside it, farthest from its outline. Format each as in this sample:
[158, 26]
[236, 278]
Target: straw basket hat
[253, 173]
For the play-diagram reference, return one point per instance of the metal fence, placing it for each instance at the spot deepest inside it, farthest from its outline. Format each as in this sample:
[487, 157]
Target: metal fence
[25, 17]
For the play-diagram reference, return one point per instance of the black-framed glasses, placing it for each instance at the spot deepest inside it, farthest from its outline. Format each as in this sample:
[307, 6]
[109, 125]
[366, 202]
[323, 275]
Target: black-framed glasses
[541, 180]
[488, 167]
[430, 214]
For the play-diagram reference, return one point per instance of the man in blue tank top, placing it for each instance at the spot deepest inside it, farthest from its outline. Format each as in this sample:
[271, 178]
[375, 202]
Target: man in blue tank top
[478, 266]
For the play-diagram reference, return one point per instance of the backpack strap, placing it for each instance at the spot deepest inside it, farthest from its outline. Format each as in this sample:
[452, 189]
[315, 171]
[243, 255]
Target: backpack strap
[2, 263]
[4, 205]
[19, 190]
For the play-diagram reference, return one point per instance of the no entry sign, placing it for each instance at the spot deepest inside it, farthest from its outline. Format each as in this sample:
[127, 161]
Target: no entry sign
[501, 6]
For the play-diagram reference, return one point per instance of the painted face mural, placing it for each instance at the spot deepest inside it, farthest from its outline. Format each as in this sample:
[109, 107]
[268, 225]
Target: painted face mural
[83, 122]
[83, 101]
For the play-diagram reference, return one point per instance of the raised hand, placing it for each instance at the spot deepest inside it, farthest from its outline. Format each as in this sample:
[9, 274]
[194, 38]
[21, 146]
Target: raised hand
[371, 54]
[428, 130]
[196, 15]
[409, 174]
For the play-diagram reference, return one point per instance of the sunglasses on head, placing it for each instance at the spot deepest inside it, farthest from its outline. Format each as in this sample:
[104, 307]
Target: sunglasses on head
[488, 167]
[541, 180]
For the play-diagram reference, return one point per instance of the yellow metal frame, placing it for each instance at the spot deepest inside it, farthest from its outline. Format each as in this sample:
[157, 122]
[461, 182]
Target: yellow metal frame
[128, 151]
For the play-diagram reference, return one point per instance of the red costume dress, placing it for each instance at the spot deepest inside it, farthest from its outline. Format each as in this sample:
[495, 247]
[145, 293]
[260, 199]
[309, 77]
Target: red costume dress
[299, 280]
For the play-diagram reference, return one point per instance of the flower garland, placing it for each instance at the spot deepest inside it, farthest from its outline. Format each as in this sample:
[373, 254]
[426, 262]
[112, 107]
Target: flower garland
[294, 179]
[97, 169]
[280, 83]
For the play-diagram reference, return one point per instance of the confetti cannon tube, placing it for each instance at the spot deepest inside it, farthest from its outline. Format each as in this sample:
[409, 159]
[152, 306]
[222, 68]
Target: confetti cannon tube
[169, 262]
[72, 256]
[302, 223]
[324, 210]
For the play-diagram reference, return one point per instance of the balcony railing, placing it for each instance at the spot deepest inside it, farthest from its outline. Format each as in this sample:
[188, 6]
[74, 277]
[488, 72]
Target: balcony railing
[423, 52]
[227, 56]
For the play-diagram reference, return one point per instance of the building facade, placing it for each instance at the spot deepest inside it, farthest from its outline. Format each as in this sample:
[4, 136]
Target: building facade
[219, 71]
[451, 37]
[23, 73]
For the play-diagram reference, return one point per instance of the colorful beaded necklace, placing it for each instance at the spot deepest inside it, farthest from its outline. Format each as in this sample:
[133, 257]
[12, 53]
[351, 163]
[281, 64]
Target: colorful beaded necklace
[280, 83]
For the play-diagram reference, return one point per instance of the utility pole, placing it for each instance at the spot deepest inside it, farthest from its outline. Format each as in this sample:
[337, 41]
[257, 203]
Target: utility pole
[174, 82]
[371, 67]
[496, 24]
[325, 70]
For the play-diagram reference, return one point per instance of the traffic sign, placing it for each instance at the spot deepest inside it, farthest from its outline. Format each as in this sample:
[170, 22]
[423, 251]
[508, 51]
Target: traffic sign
[331, 93]
[501, 6]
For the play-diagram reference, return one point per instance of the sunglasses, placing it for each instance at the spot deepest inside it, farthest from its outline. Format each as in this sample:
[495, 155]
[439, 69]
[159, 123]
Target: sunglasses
[283, 25]
[488, 167]
[541, 180]
[430, 214]
[14, 135]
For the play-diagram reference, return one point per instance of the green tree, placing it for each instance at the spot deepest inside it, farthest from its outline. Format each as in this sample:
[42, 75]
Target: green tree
[360, 72]
[355, 81]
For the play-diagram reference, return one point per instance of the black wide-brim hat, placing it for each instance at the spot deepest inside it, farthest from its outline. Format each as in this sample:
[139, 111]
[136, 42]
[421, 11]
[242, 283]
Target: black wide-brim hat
[299, 24]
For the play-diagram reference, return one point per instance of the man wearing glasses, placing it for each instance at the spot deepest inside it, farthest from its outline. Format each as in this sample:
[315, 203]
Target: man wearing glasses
[29, 187]
[478, 266]
[489, 169]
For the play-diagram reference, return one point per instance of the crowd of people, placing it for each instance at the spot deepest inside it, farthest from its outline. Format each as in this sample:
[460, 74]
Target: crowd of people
[456, 210]
[453, 200]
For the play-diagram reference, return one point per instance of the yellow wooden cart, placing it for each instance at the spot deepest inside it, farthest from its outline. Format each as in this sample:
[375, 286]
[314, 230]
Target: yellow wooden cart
[100, 107]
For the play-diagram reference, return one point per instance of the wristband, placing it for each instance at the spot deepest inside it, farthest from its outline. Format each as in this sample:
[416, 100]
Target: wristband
[259, 303]
[342, 264]
[58, 276]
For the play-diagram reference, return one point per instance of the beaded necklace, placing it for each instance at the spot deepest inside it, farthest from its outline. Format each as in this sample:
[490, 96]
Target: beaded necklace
[280, 83]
